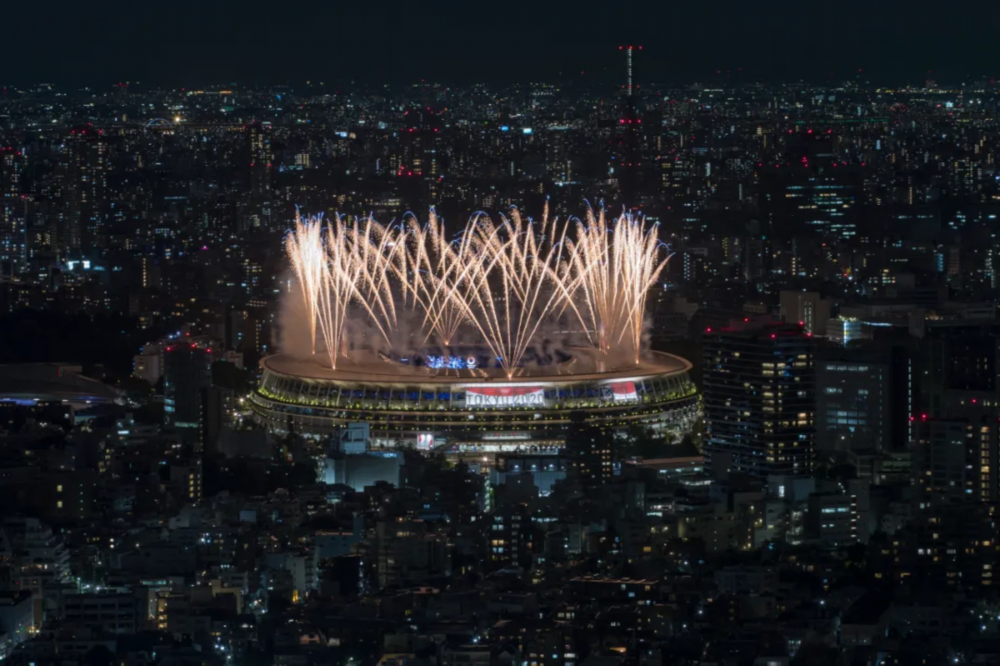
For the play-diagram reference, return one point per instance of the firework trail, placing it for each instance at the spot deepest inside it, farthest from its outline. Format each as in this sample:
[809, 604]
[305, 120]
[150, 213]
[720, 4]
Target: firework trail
[339, 288]
[614, 266]
[504, 278]
[304, 246]
[433, 270]
[510, 280]
[341, 263]
[378, 254]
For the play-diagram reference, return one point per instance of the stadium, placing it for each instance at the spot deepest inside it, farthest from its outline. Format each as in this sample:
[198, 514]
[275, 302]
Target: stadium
[433, 400]
[508, 328]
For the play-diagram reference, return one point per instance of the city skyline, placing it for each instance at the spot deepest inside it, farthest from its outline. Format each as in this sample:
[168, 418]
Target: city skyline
[519, 369]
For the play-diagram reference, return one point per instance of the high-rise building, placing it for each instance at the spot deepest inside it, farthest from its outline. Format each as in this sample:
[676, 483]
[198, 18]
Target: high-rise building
[854, 407]
[187, 376]
[589, 450]
[83, 228]
[697, 266]
[259, 148]
[798, 200]
[418, 163]
[955, 460]
[959, 367]
[257, 211]
[806, 307]
[627, 159]
[13, 227]
[760, 398]
[558, 154]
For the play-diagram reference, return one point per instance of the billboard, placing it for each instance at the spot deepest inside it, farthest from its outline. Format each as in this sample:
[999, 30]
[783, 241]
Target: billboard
[504, 396]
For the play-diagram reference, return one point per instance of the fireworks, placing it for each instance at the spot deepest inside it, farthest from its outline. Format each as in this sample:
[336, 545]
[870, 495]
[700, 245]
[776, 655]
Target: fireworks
[432, 280]
[503, 279]
[305, 250]
[348, 263]
[614, 267]
[509, 281]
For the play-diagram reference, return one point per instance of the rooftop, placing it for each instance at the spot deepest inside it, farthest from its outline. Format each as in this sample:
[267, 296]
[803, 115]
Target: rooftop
[371, 368]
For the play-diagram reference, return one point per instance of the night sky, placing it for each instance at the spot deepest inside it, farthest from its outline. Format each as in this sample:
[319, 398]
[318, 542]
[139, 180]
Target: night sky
[187, 42]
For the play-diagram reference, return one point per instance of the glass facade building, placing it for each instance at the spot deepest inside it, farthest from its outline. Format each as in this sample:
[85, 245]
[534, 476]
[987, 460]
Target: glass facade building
[759, 392]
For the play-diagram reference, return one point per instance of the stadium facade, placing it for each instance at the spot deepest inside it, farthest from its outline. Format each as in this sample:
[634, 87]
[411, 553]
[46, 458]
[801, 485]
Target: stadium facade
[459, 405]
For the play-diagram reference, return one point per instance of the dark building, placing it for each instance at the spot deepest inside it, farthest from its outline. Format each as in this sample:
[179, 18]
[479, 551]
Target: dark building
[187, 376]
[798, 199]
[16, 619]
[952, 547]
[959, 367]
[259, 147]
[589, 451]
[955, 460]
[82, 226]
[418, 165]
[258, 210]
[510, 537]
[13, 228]
[760, 398]
[626, 162]
[854, 407]
[112, 612]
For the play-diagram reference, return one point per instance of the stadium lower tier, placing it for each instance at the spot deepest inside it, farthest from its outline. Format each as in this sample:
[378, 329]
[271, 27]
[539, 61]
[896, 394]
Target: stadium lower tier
[433, 411]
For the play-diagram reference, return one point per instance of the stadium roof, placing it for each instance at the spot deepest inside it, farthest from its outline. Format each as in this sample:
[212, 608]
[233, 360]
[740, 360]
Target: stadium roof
[30, 382]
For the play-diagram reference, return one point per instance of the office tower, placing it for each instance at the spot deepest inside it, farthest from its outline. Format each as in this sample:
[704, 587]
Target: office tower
[259, 148]
[83, 227]
[589, 450]
[13, 228]
[810, 195]
[760, 398]
[418, 143]
[839, 515]
[854, 408]
[955, 460]
[187, 376]
[257, 211]
[558, 160]
[697, 266]
[418, 165]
